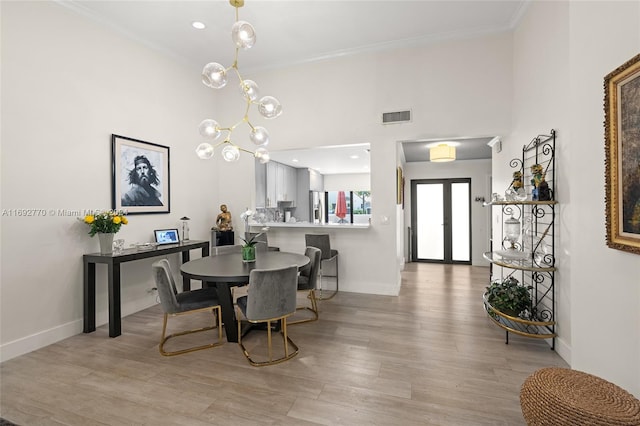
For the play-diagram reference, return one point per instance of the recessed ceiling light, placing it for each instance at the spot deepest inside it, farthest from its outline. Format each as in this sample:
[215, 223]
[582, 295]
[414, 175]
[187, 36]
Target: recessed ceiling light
[354, 157]
[198, 25]
[295, 160]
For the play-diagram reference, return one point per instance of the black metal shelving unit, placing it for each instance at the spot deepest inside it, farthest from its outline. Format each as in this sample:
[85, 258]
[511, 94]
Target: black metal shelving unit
[533, 260]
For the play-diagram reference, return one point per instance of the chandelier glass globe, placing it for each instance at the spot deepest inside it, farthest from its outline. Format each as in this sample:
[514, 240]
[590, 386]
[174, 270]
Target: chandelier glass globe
[205, 151]
[230, 153]
[262, 155]
[243, 35]
[249, 89]
[259, 136]
[209, 128]
[214, 75]
[269, 107]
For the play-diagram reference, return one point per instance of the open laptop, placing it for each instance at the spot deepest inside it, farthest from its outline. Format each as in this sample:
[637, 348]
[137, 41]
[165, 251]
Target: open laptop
[167, 236]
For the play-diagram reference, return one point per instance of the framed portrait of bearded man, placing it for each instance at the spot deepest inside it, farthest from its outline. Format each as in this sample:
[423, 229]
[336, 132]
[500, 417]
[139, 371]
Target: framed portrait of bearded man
[140, 176]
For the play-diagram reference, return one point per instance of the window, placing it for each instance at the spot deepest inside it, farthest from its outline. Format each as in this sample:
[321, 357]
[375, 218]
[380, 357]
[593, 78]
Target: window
[348, 206]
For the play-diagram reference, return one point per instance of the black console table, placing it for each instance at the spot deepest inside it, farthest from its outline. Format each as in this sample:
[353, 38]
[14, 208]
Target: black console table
[113, 262]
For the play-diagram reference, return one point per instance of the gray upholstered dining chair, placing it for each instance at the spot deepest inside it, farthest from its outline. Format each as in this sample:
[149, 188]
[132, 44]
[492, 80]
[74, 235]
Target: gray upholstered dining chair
[307, 281]
[271, 297]
[329, 258]
[187, 302]
[236, 248]
[263, 241]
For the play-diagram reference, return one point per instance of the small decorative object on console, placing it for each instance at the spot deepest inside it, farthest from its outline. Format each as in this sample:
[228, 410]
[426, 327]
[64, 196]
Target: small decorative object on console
[185, 228]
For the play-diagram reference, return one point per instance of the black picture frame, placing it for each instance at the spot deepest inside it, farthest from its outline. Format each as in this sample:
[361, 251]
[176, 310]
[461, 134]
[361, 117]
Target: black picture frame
[153, 195]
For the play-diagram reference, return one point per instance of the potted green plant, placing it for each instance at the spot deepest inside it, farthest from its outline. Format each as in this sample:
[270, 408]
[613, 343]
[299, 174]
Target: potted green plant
[249, 248]
[509, 297]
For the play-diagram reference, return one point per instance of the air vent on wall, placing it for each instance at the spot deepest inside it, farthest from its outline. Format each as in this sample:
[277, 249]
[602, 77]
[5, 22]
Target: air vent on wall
[396, 117]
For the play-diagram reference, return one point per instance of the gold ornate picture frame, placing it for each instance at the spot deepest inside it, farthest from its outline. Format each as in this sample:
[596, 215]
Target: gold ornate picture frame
[399, 186]
[622, 156]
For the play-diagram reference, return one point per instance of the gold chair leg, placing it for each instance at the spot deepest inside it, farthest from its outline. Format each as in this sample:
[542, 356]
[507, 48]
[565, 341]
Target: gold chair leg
[284, 335]
[333, 294]
[216, 311]
[314, 302]
[269, 341]
[287, 341]
[313, 309]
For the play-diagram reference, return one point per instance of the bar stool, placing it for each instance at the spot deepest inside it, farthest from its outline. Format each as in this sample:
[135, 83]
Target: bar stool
[329, 259]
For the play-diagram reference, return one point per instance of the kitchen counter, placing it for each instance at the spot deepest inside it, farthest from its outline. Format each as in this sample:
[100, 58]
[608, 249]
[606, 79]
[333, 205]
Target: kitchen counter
[312, 225]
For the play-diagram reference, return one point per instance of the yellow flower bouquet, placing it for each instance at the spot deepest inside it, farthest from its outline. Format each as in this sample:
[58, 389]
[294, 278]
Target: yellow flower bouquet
[106, 222]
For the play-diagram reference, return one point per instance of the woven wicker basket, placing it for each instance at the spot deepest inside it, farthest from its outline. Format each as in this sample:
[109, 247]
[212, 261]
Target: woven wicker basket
[561, 396]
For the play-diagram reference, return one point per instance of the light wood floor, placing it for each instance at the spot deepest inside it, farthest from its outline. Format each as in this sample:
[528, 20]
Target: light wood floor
[427, 357]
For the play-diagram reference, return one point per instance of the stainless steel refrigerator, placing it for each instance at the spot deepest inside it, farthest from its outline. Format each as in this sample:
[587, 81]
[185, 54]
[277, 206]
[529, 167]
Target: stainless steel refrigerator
[316, 200]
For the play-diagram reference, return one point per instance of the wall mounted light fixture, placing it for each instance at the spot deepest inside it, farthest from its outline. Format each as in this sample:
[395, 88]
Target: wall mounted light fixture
[214, 75]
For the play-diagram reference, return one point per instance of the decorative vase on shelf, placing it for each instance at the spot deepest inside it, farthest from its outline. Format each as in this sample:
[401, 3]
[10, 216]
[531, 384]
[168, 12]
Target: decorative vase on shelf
[521, 195]
[544, 193]
[106, 242]
[249, 253]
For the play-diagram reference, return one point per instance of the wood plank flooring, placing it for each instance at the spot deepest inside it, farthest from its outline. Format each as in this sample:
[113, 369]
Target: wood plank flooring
[427, 357]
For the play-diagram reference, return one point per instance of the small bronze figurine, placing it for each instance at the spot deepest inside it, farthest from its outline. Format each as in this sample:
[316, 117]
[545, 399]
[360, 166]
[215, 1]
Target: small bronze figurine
[223, 221]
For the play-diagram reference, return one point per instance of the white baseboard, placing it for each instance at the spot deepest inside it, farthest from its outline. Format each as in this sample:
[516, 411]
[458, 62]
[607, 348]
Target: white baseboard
[368, 287]
[52, 335]
[563, 350]
[39, 340]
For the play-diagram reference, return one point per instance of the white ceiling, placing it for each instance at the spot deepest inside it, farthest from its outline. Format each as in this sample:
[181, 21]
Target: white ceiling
[298, 31]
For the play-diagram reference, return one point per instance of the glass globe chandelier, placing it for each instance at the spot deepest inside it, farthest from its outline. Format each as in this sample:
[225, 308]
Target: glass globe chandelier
[214, 75]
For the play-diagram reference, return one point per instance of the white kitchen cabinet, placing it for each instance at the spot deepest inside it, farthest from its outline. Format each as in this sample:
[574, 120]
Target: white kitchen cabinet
[275, 182]
[261, 184]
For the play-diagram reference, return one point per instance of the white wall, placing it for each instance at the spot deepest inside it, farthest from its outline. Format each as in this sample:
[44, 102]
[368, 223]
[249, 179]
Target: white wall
[563, 50]
[67, 85]
[605, 283]
[479, 172]
[351, 182]
[541, 93]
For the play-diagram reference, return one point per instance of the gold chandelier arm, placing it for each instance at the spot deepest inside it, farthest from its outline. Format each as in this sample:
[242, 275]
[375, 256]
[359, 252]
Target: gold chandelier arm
[235, 63]
[246, 111]
[235, 68]
[226, 140]
[244, 150]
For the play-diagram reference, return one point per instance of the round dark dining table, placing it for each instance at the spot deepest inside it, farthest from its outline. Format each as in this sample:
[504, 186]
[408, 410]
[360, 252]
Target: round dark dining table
[227, 270]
